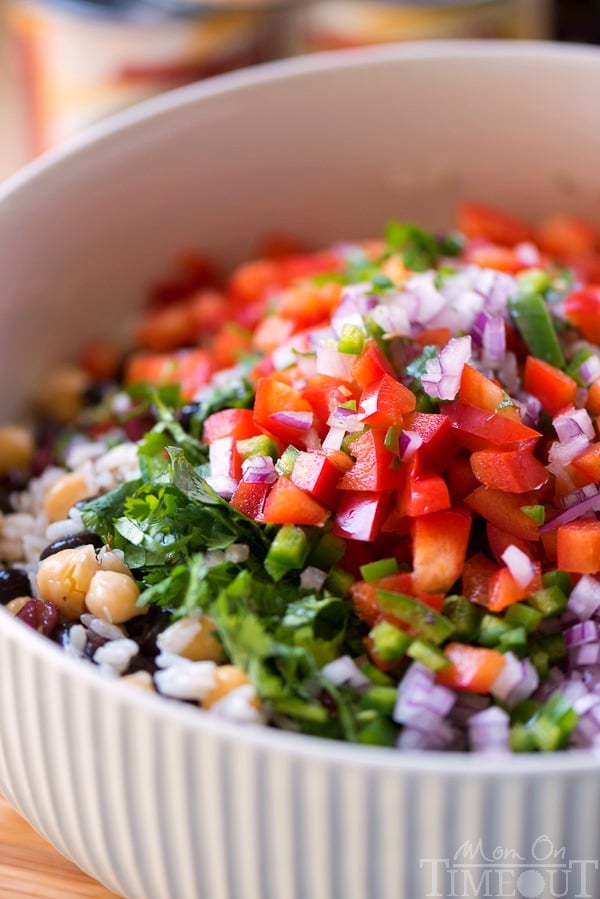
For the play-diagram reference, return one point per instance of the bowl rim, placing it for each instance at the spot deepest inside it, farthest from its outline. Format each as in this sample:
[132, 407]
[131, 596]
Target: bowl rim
[197, 721]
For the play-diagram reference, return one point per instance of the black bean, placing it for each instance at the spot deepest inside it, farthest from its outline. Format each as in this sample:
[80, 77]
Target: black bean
[97, 392]
[6, 505]
[144, 629]
[94, 642]
[13, 582]
[41, 615]
[73, 542]
[187, 413]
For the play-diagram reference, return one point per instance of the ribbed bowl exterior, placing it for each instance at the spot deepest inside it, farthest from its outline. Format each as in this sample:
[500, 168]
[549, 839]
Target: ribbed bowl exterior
[159, 802]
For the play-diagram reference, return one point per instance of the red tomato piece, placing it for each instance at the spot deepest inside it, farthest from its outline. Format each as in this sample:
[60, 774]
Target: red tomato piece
[288, 504]
[250, 499]
[513, 471]
[473, 668]
[439, 547]
[325, 394]
[479, 220]
[385, 401]
[360, 514]
[373, 468]
[552, 387]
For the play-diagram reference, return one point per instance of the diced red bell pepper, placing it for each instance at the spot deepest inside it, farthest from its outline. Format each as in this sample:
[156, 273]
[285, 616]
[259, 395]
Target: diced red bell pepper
[582, 308]
[309, 304]
[360, 515]
[476, 575]
[273, 396]
[479, 220]
[565, 235]
[500, 540]
[250, 499]
[324, 394]
[478, 429]
[438, 337]
[252, 281]
[552, 387]
[588, 463]
[490, 255]
[478, 390]
[272, 332]
[593, 398]
[385, 401]
[191, 369]
[373, 468]
[512, 471]
[439, 548]
[435, 430]
[473, 668]
[422, 489]
[578, 546]
[371, 365]
[504, 510]
[237, 423]
[319, 472]
[504, 591]
[460, 478]
[288, 504]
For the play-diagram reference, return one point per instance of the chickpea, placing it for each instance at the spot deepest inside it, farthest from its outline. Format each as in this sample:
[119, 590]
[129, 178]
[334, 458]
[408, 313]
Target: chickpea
[62, 395]
[16, 604]
[141, 679]
[194, 639]
[16, 448]
[112, 560]
[113, 596]
[64, 579]
[63, 495]
[227, 678]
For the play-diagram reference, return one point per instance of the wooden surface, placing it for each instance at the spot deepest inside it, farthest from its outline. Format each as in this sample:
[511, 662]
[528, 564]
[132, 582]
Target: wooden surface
[31, 869]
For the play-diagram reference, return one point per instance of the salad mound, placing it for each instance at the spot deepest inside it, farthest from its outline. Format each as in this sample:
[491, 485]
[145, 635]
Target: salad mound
[351, 493]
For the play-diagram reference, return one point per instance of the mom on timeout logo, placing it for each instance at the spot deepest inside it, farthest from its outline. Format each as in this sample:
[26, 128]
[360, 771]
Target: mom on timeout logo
[502, 873]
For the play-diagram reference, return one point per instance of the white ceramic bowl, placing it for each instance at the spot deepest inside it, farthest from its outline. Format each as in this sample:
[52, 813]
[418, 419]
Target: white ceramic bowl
[156, 799]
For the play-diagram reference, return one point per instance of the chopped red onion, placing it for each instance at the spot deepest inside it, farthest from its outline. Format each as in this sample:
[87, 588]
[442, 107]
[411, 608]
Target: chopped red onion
[494, 341]
[529, 406]
[392, 317]
[571, 423]
[220, 457]
[443, 374]
[333, 363]
[334, 438]
[410, 442]
[591, 504]
[427, 301]
[302, 421]
[584, 600]
[312, 578]
[258, 470]
[489, 730]
[345, 671]
[517, 680]
[437, 736]
[589, 370]
[578, 495]
[527, 254]
[467, 705]
[346, 418]
[223, 485]
[519, 564]
[582, 632]
[564, 453]
[584, 655]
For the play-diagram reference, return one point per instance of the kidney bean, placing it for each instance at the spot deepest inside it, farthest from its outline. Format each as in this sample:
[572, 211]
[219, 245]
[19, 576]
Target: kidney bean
[41, 615]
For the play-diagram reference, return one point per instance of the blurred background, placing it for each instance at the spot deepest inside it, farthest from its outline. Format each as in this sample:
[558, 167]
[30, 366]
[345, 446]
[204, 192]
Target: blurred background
[65, 64]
